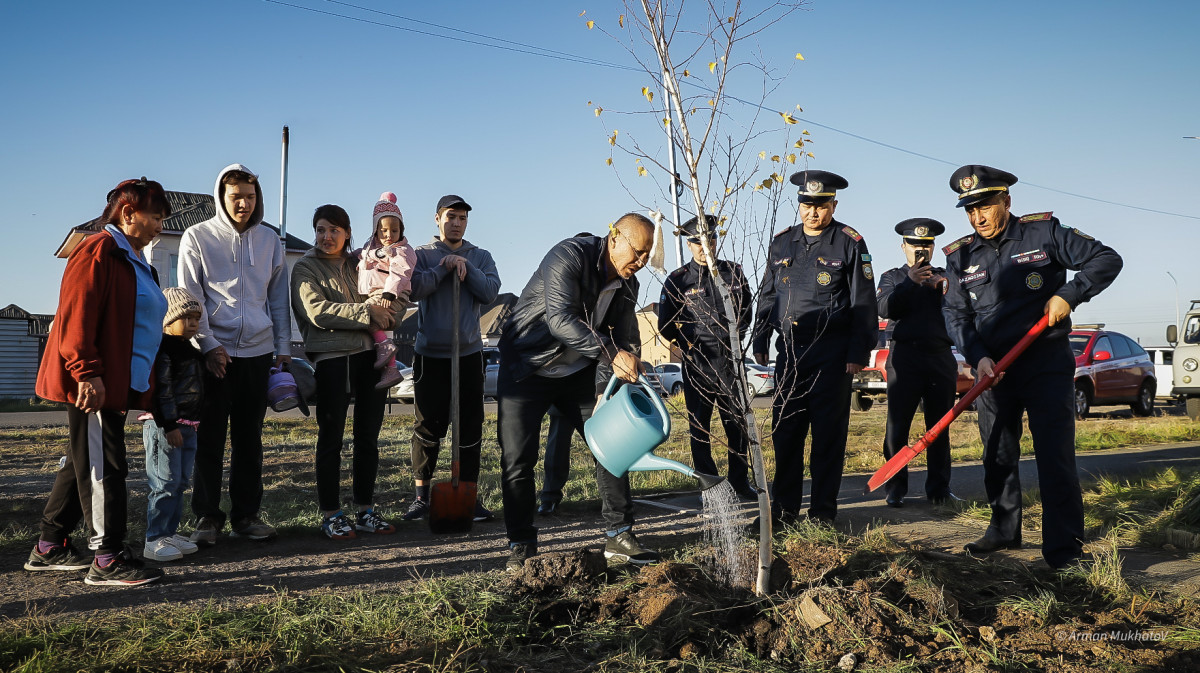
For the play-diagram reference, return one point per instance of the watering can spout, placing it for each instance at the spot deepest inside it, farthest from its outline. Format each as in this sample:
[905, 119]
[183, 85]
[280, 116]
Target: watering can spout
[707, 481]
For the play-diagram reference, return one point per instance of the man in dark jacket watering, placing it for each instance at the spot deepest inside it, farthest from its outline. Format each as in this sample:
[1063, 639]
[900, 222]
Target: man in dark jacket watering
[576, 312]
[433, 288]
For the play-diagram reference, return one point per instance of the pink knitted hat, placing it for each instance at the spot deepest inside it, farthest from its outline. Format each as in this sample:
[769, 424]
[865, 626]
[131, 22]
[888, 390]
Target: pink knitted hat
[384, 207]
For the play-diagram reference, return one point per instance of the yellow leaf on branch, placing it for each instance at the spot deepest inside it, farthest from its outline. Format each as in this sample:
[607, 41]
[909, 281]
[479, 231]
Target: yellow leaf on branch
[599, 110]
[621, 21]
[648, 94]
[591, 24]
[686, 72]
[799, 143]
[787, 118]
[608, 161]
[642, 171]
[712, 66]
[805, 132]
[777, 177]
[799, 57]
[775, 158]
[810, 155]
[762, 154]
[791, 158]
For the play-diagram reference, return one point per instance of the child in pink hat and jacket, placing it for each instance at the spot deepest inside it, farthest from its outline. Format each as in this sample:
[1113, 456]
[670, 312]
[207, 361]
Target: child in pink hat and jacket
[385, 275]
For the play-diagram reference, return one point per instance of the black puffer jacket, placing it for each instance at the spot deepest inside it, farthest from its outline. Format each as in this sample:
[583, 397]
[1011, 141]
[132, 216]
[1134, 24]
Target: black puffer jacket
[555, 311]
[179, 381]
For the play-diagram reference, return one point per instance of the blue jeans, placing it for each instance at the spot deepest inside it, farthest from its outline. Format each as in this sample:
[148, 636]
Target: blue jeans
[169, 471]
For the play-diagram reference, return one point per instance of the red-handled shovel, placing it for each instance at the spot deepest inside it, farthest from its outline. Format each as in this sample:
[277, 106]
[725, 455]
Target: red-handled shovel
[907, 453]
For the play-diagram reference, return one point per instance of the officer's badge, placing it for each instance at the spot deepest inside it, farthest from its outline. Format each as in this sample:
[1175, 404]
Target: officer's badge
[973, 297]
[967, 183]
[867, 272]
[921, 230]
[813, 186]
[971, 269]
[823, 278]
[1033, 281]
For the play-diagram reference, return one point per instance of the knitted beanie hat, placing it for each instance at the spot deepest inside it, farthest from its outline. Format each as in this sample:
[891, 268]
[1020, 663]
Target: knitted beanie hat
[385, 207]
[180, 303]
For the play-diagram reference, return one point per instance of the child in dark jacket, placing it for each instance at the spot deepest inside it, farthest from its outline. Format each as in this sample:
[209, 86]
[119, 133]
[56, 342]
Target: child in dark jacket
[170, 434]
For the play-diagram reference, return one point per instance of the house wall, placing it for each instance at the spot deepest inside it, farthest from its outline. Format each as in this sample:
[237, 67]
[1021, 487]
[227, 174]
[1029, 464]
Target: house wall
[19, 353]
[655, 349]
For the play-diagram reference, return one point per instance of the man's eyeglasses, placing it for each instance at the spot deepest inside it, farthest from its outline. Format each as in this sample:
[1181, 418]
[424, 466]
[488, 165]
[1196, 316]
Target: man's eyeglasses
[642, 256]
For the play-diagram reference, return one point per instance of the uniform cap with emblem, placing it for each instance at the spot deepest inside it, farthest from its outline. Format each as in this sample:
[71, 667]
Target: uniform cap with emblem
[976, 184]
[691, 228]
[920, 229]
[818, 186]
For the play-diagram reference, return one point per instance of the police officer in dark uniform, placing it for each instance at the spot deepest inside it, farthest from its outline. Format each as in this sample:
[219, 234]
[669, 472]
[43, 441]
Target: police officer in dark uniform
[1002, 279]
[920, 365]
[692, 315]
[818, 293]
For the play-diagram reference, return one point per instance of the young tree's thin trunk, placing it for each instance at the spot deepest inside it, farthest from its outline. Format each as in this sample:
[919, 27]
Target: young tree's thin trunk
[692, 161]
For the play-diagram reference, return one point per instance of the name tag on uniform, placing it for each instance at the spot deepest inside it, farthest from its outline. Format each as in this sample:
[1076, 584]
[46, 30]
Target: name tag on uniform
[1026, 258]
[976, 277]
[785, 261]
[831, 263]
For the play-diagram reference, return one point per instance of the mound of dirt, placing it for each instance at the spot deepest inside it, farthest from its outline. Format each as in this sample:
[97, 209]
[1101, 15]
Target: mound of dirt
[886, 608]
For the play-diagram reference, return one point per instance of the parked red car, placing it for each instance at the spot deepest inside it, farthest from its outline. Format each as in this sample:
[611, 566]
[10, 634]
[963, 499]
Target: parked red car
[871, 382]
[1111, 368]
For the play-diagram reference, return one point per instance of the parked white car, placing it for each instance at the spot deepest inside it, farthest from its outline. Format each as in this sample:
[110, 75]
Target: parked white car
[670, 375]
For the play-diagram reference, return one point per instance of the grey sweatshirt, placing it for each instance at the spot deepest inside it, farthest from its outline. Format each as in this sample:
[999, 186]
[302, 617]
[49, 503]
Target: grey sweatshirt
[432, 288]
[241, 278]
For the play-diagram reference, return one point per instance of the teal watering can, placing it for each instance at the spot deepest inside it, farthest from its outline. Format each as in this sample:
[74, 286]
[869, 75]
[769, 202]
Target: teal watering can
[625, 428]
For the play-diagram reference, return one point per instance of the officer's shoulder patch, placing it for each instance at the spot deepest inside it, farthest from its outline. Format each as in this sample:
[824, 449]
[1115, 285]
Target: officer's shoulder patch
[788, 229]
[1037, 217]
[1082, 235]
[678, 273]
[969, 238]
[851, 233]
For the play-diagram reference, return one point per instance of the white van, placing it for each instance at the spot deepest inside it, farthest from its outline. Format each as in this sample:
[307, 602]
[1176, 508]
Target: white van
[1186, 360]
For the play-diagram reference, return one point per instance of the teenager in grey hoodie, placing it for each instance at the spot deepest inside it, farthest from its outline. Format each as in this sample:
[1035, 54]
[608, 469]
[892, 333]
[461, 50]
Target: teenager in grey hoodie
[433, 288]
[236, 269]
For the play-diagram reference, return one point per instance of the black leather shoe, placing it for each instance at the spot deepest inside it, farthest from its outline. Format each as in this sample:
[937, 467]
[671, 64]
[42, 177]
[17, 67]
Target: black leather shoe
[895, 501]
[989, 543]
[547, 507]
[944, 499]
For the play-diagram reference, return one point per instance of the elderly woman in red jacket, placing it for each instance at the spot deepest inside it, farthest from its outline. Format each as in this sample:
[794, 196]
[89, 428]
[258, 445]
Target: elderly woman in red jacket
[99, 360]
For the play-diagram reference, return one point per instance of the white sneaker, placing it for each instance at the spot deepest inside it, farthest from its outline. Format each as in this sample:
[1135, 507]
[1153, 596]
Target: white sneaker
[161, 549]
[183, 544]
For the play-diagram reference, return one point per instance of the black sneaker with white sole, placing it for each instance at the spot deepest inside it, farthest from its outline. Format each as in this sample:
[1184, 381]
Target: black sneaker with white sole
[518, 553]
[625, 547]
[123, 571]
[63, 557]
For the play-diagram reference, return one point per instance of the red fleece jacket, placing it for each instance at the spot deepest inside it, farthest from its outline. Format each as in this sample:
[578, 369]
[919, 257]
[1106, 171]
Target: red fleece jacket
[92, 334]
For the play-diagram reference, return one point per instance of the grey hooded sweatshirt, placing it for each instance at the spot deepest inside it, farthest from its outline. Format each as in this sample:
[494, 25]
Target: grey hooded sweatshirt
[241, 278]
[432, 288]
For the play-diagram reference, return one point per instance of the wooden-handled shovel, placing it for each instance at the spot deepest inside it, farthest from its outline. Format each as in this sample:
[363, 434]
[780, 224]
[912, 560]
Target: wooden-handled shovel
[907, 453]
[451, 503]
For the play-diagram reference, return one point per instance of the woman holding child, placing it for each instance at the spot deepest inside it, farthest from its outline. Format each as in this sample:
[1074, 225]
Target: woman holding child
[338, 327]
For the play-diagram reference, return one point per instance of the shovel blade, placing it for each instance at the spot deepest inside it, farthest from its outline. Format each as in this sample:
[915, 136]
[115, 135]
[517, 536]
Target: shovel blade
[452, 507]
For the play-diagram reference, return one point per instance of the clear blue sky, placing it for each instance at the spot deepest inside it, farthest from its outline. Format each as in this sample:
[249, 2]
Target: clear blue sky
[1091, 98]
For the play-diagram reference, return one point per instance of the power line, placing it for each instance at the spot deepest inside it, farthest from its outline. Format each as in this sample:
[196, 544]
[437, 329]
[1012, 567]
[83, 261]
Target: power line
[534, 50]
[522, 49]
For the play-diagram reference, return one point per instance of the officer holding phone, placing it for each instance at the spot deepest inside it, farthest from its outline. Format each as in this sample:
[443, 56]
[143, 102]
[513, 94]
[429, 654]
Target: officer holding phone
[920, 365]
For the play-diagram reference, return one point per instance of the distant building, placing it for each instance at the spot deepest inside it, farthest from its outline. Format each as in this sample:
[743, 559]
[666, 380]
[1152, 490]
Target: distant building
[22, 340]
[655, 348]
